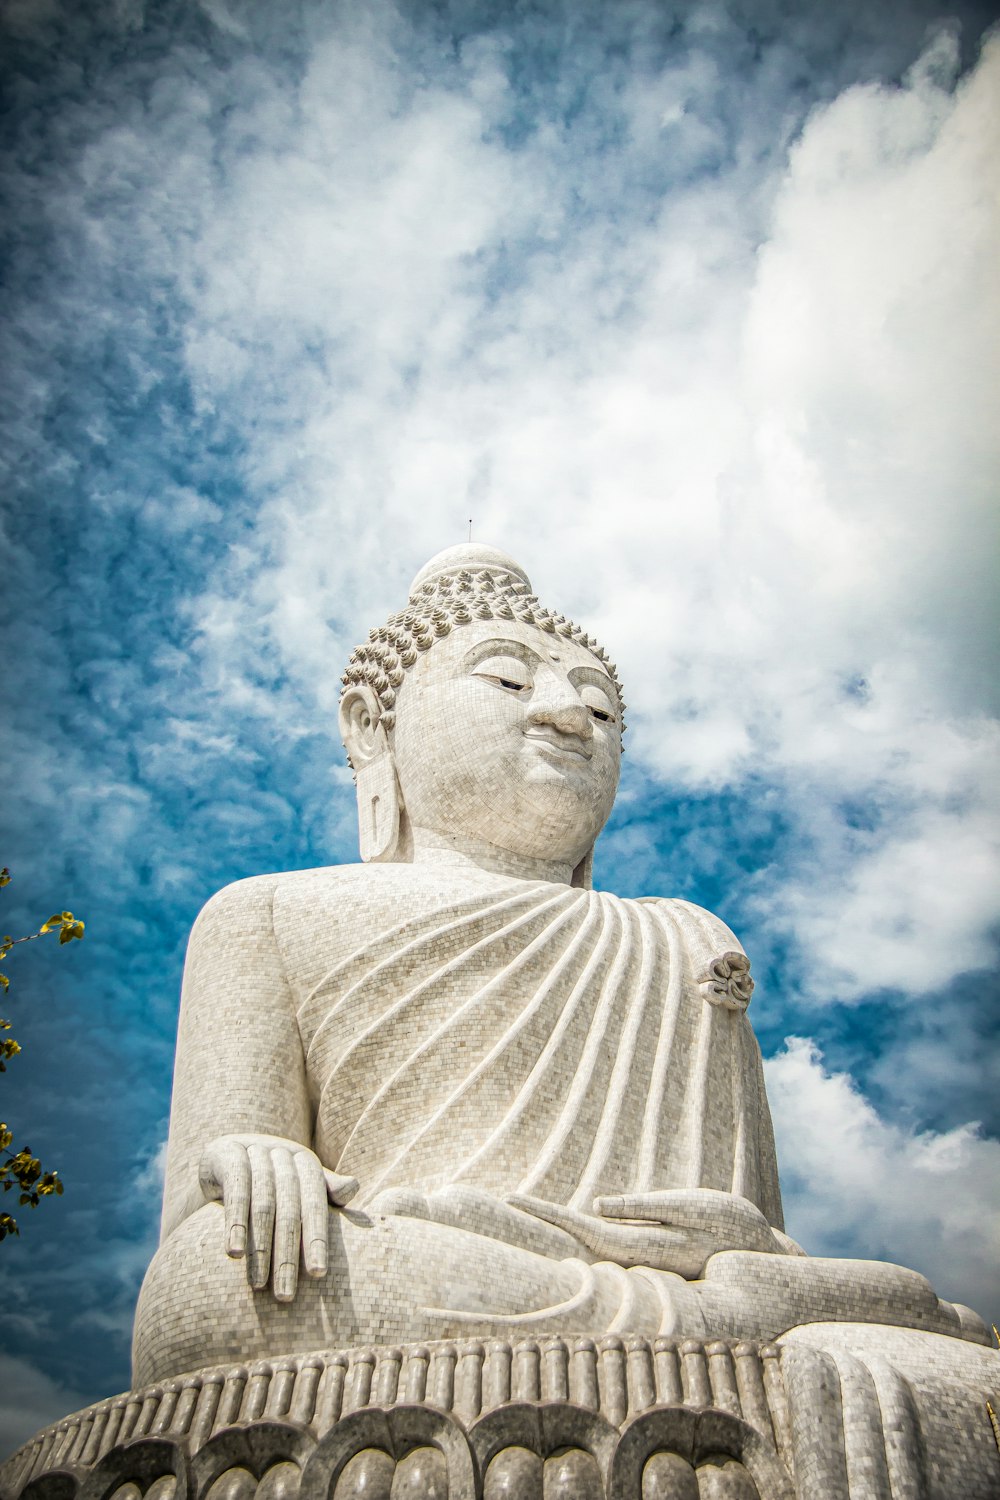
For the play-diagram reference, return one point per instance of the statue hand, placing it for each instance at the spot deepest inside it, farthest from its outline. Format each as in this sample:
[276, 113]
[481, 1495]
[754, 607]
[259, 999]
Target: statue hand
[275, 1194]
[674, 1230]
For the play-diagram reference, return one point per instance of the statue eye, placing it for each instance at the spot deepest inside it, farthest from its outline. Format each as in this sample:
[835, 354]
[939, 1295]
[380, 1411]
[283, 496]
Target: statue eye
[505, 672]
[597, 701]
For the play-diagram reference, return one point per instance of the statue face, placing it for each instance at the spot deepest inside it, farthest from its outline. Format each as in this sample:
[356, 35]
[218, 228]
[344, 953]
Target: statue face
[511, 735]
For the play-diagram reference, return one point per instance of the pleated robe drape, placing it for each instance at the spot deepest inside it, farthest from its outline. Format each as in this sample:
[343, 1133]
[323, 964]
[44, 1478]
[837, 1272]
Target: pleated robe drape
[541, 1040]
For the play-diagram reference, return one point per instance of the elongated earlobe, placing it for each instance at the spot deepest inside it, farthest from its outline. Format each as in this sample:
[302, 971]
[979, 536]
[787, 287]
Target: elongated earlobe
[378, 810]
[583, 875]
[367, 745]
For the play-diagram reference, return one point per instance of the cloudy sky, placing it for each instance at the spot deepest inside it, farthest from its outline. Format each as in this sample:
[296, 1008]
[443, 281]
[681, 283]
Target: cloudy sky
[693, 308]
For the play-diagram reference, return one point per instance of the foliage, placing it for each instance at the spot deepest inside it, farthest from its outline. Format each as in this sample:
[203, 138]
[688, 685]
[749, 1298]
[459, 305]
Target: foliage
[18, 1168]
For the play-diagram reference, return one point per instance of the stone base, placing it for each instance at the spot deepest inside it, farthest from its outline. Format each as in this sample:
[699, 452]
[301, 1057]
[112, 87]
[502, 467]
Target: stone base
[559, 1418]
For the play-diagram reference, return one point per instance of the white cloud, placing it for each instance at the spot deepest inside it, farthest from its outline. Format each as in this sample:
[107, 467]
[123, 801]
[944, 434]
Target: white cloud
[149, 1175]
[872, 360]
[856, 1185]
[742, 429]
[764, 475]
[872, 345]
[741, 425]
[909, 907]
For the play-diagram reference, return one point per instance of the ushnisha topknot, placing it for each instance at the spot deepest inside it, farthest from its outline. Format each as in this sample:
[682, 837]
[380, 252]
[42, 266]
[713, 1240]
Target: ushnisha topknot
[462, 584]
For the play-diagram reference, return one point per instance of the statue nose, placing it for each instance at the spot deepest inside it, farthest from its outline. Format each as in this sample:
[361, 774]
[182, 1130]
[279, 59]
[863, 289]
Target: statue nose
[559, 705]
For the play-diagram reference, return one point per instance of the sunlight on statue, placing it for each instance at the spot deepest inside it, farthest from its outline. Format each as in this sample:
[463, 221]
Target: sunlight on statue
[453, 1089]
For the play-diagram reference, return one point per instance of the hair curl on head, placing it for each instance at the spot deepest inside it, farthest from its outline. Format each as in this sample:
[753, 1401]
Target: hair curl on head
[435, 609]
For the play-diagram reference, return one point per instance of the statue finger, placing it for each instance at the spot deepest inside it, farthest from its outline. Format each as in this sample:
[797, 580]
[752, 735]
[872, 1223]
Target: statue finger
[682, 1251]
[287, 1224]
[671, 1206]
[211, 1171]
[590, 1232]
[340, 1189]
[261, 1215]
[236, 1198]
[224, 1176]
[709, 1220]
[661, 1249]
[315, 1212]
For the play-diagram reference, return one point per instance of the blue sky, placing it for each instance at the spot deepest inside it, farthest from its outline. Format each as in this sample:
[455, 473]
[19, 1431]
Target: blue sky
[693, 308]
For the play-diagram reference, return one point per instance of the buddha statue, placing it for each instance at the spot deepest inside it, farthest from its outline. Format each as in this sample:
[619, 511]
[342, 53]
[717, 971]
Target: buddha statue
[455, 1090]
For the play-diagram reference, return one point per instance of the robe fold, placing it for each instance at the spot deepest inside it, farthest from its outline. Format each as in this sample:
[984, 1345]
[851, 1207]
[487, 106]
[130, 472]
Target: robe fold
[544, 1040]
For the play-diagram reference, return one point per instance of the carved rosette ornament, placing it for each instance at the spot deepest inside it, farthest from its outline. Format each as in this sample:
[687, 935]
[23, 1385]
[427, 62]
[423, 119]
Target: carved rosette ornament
[727, 983]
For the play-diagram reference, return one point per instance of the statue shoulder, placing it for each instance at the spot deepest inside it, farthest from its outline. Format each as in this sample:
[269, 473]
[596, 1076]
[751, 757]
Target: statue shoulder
[271, 929]
[253, 904]
[694, 918]
[246, 903]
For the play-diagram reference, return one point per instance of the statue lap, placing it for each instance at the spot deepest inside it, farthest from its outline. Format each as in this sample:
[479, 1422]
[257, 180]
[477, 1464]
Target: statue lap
[396, 1279]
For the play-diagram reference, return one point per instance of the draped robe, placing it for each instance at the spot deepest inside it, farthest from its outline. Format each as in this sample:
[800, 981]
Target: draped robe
[453, 1039]
[538, 1039]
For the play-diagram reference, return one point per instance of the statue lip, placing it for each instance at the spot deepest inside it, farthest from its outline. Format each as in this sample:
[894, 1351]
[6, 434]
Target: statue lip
[561, 744]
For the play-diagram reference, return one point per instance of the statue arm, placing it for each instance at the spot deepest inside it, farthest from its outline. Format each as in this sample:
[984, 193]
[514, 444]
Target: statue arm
[239, 1068]
[240, 1119]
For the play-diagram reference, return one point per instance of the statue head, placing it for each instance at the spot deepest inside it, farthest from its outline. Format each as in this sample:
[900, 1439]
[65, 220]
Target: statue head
[476, 718]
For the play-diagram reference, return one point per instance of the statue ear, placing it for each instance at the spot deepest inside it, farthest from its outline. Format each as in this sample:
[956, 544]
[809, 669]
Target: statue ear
[360, 725]
[367, 747]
